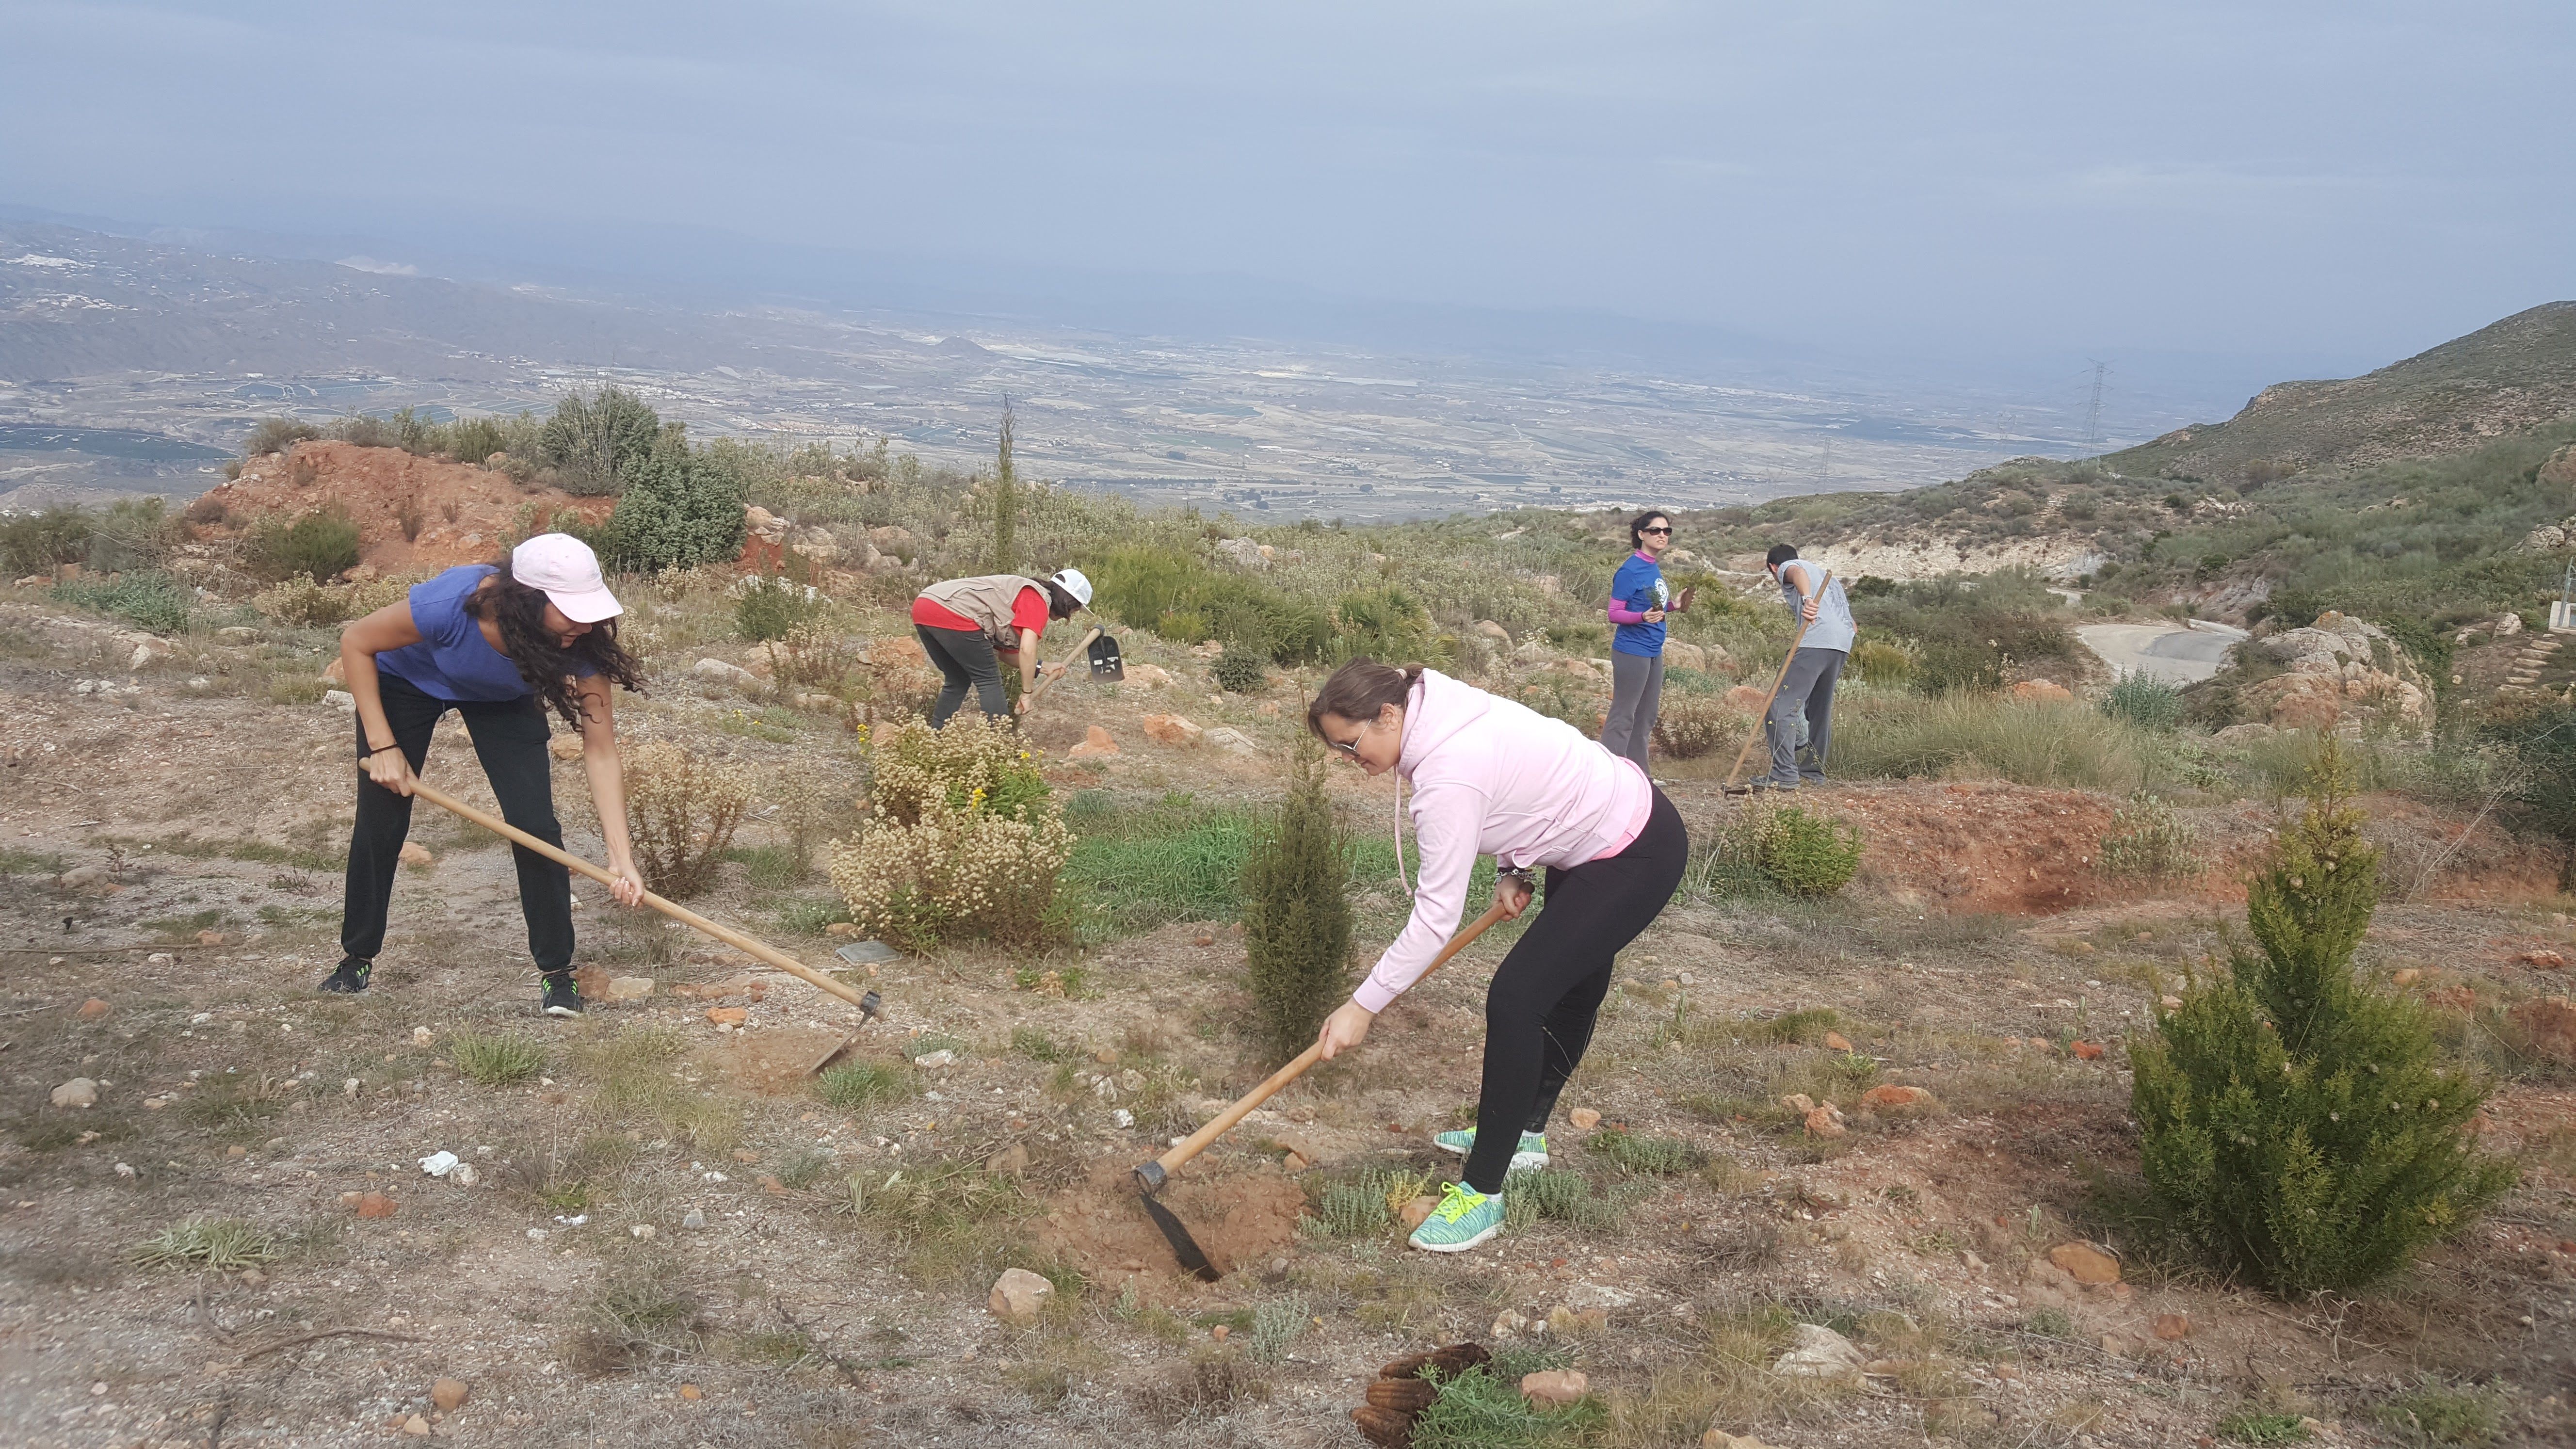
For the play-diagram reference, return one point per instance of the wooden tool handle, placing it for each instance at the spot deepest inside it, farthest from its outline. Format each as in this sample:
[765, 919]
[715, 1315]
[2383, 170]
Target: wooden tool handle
[1197, 1142]
[1030, 701]
[731, 937]
[1762, 717]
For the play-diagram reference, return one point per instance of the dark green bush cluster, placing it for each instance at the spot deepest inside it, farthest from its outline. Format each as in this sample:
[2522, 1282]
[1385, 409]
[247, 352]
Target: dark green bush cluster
[679, 508]
[146, 598]
[1970, 635]
[2541, 733]
[1186, 599]
[2297, 1124]
[1240, 670]
[772, 607]
[130, 533]
[276, 435]
[2143, 701]
[599, 444]
[1296, 920]
[320, 546]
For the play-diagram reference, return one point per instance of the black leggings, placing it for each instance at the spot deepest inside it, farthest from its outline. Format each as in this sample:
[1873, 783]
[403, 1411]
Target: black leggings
[510, 738]
[1540, 1009]
[966, 660]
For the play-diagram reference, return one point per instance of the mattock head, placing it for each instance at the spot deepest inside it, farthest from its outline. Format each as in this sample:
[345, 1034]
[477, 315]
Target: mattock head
[1149, 1176]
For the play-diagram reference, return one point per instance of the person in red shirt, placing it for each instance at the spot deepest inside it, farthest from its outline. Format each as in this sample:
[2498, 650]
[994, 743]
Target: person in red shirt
[967, 626]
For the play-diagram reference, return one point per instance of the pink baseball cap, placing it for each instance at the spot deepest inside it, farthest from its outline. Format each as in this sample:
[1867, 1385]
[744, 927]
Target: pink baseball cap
[568, 571]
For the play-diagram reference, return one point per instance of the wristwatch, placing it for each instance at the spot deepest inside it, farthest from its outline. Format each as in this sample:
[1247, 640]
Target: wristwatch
[1528, 878]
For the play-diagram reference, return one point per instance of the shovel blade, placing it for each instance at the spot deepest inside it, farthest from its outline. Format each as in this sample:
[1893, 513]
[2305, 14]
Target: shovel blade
[1107, 664]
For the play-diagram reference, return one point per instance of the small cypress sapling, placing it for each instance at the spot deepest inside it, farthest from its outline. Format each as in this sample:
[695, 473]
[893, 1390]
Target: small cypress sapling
[1006, 501]
[2296, 1122]
[1296, 920]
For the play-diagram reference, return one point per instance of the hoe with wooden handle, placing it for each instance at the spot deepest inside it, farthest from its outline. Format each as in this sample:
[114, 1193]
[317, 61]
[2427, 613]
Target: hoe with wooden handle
[866, 1002]
[1150, 1176]
[1762, 717]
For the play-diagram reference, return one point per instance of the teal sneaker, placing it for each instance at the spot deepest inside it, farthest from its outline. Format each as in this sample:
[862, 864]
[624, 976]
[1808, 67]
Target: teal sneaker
[1531, 1156]
[1464, 1219]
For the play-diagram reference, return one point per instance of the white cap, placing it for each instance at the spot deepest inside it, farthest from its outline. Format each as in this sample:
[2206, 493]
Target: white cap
[568, 571]
[1072, 582]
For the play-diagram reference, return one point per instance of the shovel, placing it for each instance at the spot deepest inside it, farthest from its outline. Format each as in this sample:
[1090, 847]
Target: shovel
[1150, 1176]
[1762, 716]
[866, 1002]
[1107, 666]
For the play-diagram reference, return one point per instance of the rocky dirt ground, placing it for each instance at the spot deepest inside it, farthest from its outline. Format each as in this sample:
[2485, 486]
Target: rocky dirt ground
[661, 1242]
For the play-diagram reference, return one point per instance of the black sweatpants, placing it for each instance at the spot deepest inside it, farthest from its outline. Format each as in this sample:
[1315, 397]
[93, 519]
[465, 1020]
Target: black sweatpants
[510, 739]
[1540, 1009]
[965, 659]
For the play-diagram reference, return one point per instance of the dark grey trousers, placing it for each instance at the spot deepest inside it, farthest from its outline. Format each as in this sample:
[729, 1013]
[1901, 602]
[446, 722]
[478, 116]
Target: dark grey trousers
[965, 660]
[1807, 689]
[1636, 690]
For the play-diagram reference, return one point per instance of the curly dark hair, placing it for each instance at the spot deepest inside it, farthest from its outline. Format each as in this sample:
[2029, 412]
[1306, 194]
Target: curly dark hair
[545, 665]
[1636, 539]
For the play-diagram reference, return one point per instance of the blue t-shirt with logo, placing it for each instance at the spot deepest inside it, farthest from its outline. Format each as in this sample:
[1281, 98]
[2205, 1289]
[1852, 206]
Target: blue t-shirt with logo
[1639, 585]
[453, 661]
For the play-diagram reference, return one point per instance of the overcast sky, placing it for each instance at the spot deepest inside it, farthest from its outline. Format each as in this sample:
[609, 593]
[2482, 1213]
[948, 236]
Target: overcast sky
[2337, 179]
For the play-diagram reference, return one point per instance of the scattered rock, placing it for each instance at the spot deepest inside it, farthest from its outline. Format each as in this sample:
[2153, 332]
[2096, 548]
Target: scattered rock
[1500, 635]
[1018, 1295]
[932, 1061]
[692, 1392]
[2407, 976]
[341, 700]
[565, 747]
[1011, 1161]
[1819, 1353]
[1584, 1119]
[1554, 1388]
[375, 1205]
[1798, 1102]
[1891, 1096]
[2042, 691]
[450, 1394]
[2542, 960]
[1171, 729]
[1412, 1215]
[1825, 1121]
[416, 1425]
[728, 1015]
[416, 854]
[2085, 1263]
[464, 1175]
[1836, 1041]
[422, 1036]
[2172, 1327]
[695, 1218]
[93, 1009]
[1096, 744]
[627, 988]
[1231, 740]
[1152, 676]
[2090, 1051]
[2244, 734]
[210, 938]
[78, 1092]
[1717, 1438]
[717, 671]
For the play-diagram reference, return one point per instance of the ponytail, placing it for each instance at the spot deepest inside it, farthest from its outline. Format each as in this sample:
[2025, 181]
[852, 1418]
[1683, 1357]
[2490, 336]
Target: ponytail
[1359, 689]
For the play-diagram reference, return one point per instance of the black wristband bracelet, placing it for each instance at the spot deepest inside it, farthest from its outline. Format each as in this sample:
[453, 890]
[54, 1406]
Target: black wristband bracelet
[371, 754]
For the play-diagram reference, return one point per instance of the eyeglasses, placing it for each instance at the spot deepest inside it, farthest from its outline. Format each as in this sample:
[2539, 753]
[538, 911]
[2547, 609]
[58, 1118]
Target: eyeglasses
[1350, 749]
[1655, 530]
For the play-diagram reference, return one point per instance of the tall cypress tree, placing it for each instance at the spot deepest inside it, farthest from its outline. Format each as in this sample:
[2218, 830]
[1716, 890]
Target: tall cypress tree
[2296, 1122]
[1006, 501]
[1296, 919]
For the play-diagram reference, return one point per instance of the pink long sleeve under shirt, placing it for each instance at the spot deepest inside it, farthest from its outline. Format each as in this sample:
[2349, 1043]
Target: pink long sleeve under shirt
[1494, 777]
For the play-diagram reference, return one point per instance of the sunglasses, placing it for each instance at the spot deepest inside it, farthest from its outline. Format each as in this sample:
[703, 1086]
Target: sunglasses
[1655, 530]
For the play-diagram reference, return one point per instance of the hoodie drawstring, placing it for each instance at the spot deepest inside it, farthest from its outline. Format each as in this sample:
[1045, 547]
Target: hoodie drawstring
[1399, 838]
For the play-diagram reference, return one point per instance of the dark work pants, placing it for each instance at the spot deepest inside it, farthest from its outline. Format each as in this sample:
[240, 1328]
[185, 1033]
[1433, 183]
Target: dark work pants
[1636, 690]
[1808, 689]
[510, 739]
[1540, 1009]
[966, 660]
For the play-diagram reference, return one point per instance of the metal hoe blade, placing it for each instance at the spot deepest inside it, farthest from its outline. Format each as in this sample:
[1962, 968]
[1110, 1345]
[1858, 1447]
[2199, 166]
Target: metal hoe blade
[1184, 1247]
[1106, 662]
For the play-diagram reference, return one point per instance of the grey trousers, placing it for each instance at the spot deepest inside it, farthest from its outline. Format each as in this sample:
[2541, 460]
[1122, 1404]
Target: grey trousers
[1636, 688]
[1807, 689]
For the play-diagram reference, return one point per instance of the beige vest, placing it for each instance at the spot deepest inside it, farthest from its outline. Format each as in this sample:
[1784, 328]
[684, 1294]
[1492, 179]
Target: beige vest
[987, 600]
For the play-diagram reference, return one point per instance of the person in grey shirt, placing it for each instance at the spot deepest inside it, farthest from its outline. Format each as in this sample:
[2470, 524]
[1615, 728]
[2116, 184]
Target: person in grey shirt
[1807, 688]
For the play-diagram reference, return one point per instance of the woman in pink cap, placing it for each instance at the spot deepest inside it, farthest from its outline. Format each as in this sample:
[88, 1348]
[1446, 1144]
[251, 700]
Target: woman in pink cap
[502, 645]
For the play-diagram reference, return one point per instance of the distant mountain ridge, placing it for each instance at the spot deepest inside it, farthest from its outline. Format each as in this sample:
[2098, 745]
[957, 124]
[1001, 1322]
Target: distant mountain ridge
[2508, 377]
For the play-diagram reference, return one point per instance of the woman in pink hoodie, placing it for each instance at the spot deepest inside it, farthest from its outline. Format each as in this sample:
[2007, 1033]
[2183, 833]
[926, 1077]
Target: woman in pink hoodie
[1492, 777]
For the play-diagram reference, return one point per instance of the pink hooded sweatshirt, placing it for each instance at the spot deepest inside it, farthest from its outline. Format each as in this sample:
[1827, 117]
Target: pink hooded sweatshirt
[1494, 777]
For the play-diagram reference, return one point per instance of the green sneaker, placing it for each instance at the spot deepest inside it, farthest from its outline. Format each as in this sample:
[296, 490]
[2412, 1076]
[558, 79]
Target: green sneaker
[1464, 1219]
[1531, 1156]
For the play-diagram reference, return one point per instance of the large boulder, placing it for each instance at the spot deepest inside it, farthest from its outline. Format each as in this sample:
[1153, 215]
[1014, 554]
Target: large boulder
[2335, 669]
[1244, 553]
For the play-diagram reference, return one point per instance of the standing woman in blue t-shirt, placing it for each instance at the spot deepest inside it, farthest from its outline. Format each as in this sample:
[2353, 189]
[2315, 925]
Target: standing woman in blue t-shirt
[502, 645]
[1637, 600]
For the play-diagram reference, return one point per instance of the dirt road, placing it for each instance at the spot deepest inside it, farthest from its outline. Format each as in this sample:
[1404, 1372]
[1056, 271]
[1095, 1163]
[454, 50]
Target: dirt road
[2183, 655]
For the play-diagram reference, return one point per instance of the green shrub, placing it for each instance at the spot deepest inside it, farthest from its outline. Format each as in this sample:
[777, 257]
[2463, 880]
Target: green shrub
[680, 507]
[276, 435]
[1387, 624]
[854, 1085]
[2434, 1412]
[1970, 735]
[1239, 670]
[963, 839]
[773, 607]
[1804, 854]
[2542, 737]
[36, 542]
[2296, 1123]
[2255, 1426]
[1296, 919]
[2147, 842]
[1688, 726]
[1882, 662]
[600, 444]
[1477, 1410]
[1556, 1196]
[2147, 703]
[498, 1058]
[1661, 1156]
[319, 546]
[148, 600]
[224, 1244]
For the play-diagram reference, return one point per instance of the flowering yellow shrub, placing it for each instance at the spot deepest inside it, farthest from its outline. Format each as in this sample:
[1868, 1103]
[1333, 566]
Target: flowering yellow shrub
[963, 838]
